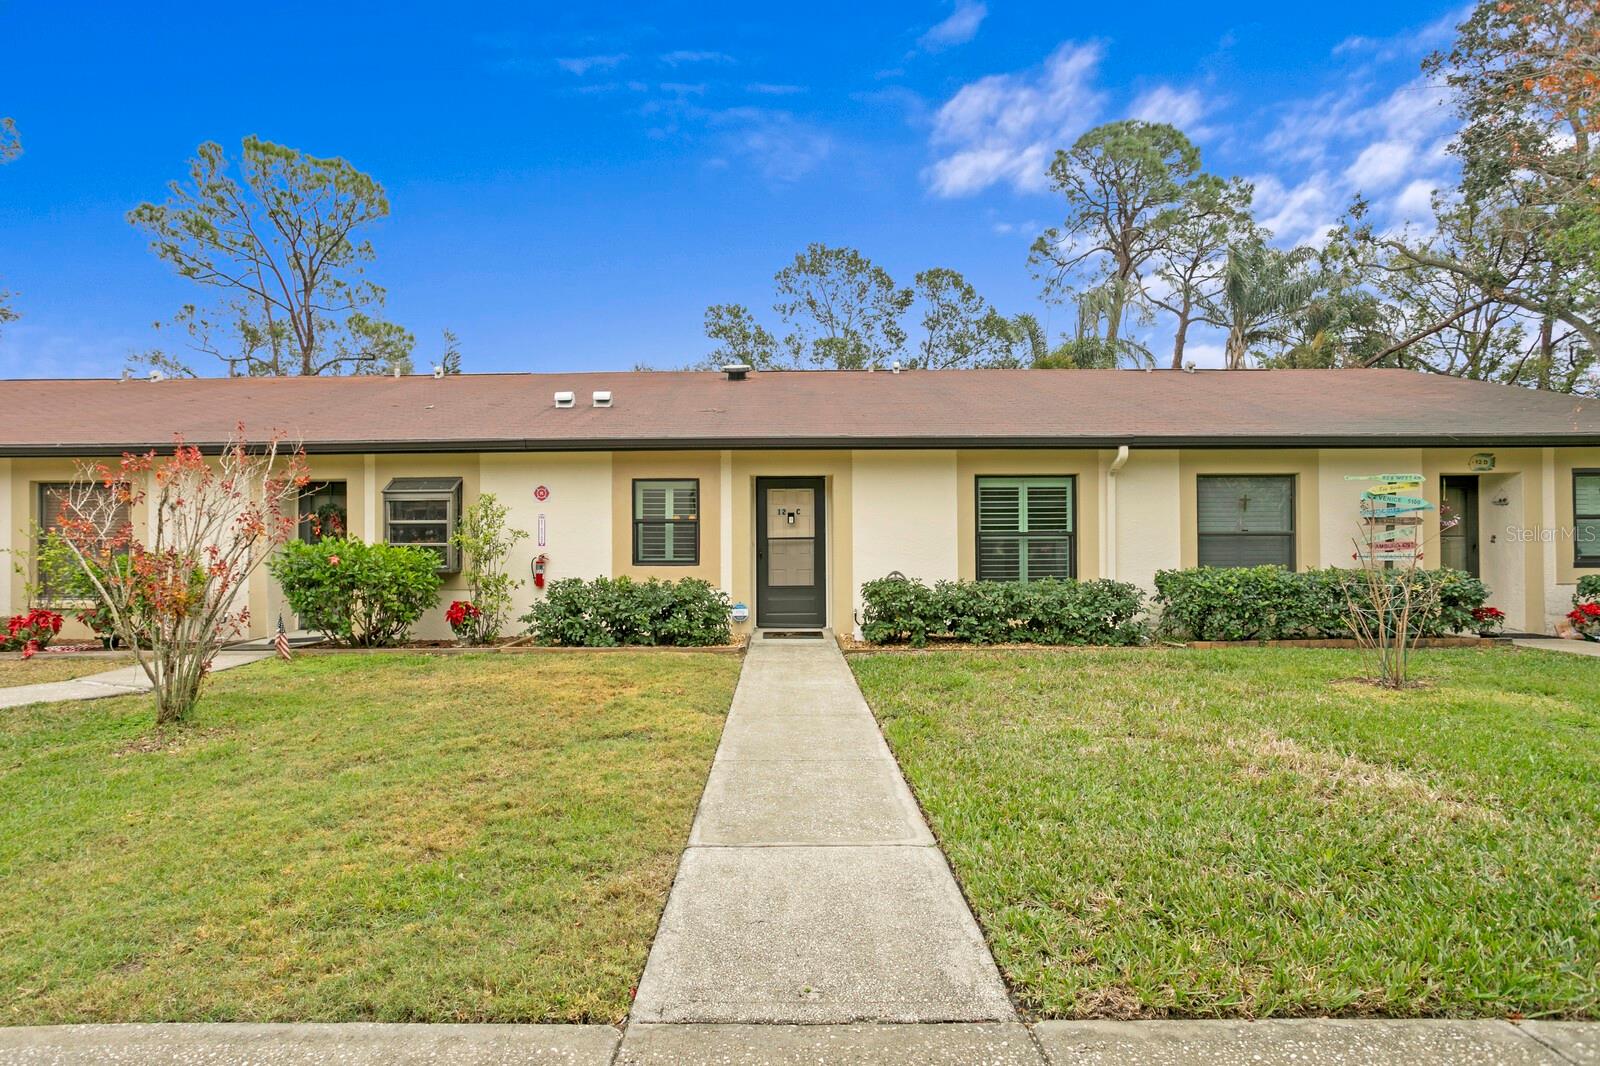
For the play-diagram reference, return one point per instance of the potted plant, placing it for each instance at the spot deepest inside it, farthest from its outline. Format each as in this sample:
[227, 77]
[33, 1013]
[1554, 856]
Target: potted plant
[1489, 620]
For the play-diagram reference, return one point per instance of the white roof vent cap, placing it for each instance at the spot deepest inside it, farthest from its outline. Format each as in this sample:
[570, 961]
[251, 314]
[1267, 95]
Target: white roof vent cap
[566, 398]
[602, 398]
[736, 371]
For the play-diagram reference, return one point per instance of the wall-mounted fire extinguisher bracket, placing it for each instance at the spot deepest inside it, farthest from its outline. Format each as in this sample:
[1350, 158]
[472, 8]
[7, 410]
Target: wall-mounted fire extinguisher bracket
[539, 565]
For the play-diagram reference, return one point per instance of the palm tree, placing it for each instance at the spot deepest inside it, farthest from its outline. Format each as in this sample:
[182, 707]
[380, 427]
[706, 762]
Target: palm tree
[1262, 289]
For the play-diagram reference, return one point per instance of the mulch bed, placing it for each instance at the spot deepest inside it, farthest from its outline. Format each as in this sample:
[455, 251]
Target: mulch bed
[510, 645]
[851, 646]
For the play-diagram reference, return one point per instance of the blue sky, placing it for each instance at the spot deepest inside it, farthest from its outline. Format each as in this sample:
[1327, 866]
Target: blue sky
[569, 189]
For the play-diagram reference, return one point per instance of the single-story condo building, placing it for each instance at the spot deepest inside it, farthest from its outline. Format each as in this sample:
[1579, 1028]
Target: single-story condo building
[789, 490]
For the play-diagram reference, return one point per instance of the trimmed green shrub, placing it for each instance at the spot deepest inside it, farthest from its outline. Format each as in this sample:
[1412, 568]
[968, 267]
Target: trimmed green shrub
[1588, 590]
[361, 594]
[904, 611]
[1271, 603]
[612, 612]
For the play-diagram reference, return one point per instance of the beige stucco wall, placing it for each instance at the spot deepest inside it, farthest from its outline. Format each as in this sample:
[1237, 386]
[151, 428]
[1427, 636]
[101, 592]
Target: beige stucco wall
[903, 519]
[1147, 530]
[19, 488]
[578, 514]
[702, 466]
[913, 511]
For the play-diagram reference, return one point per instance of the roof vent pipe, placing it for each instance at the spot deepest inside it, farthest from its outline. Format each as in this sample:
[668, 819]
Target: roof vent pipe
[736, 371]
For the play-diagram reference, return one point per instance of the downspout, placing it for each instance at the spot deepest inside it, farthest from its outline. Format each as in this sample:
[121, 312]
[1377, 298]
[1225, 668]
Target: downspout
[1111, 511]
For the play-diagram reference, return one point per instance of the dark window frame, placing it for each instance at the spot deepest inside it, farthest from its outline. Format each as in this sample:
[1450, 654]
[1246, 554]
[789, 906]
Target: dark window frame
[638, 523]
[41, 490]
[306, 531]
[1579, 559]
[977, 524]
[1293, 532]
[411, 489]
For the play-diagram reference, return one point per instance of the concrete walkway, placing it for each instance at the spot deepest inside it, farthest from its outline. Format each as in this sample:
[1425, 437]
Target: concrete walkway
[119, 682]
[1571, 647]
[1298, 1042]
[812, 890]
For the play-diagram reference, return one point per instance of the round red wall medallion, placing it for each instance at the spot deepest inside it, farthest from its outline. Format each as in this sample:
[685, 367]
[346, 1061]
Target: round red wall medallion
[541, 493]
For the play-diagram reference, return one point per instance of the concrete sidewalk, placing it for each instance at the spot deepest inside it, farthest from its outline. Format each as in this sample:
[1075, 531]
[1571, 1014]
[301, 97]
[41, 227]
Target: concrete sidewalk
[1298, 1042]
[119, 682]
[1569, 647]
[812, 890]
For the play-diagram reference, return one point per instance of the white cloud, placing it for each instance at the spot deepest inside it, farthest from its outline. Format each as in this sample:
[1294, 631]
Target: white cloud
[959, 27]
[581, 65]
[1004, 128]
[783, 148]
[1380, 165]
[765, 88]
[1391, 150]
[683, 56]
[1415, 202]
[1301, 213]
[1183, 108]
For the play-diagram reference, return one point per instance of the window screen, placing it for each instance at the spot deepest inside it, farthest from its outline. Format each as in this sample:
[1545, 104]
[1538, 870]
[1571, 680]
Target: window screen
[666, 523]
[421, 512]
[1246, 521]
[1586, 516]
[1025, 528]
[53, 499]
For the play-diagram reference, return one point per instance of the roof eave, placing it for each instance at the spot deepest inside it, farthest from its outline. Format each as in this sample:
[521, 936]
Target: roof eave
[769, 443]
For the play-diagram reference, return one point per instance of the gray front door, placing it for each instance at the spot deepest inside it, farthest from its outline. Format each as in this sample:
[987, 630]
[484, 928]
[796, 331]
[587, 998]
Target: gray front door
[1458, 545]
[791, 552]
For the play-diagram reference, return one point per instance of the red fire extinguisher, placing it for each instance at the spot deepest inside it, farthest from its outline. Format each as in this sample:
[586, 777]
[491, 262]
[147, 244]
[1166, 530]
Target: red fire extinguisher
[538, 570]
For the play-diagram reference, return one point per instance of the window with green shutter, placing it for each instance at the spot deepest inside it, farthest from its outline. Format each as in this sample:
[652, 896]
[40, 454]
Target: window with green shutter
[1586, 516]
[1246, 521]
[1026, 528]
[666, 523]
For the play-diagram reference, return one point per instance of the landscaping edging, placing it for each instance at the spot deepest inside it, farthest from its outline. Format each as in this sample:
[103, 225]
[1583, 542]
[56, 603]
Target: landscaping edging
[1341, 642]
[849, 646]
[522, 649]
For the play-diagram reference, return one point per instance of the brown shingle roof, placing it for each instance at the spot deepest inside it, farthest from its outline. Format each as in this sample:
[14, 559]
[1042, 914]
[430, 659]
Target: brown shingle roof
[977, 408]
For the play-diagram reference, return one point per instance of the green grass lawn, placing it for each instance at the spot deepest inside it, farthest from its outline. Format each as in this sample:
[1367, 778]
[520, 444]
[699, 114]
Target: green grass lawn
[1247, 832]
[454, 838]
[61, 666]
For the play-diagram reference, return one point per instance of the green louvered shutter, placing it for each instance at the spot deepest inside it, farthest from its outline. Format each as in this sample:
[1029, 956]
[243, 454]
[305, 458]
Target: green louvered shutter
[1025, 528]
[666, 523]
[1586, 514]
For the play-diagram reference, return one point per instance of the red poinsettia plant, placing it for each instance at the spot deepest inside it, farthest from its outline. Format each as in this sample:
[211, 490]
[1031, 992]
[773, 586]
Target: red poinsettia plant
[1490, 620]
[1585, 618]
[31, 632]
[466, 621]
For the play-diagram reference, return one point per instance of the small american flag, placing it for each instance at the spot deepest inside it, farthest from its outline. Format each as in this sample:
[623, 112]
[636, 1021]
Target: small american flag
[281, 641]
